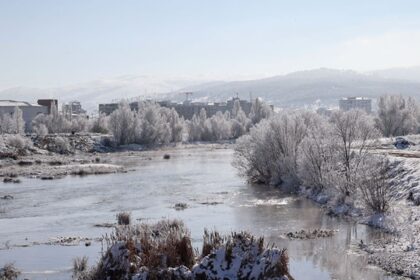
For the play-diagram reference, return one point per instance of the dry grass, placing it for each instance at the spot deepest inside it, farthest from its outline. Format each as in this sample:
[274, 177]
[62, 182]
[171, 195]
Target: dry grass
[124, 218]
[166, 244]
[155, 248]
[80, 265]
[211, 241]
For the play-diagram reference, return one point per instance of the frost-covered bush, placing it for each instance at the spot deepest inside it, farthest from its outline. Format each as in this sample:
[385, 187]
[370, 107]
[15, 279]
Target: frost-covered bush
[164, 251]
[269, 153]
[240, 256]
[99, 124]
[397, 115]
[124, 218]
[40, 130]
[19, 143]
[59, 145]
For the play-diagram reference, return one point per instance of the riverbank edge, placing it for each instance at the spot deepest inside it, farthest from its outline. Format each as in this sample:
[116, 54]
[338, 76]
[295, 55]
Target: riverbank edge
[374, 251]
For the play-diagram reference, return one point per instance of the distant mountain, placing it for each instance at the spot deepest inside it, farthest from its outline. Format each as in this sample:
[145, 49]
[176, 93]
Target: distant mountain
[305, 87]
[291, 90]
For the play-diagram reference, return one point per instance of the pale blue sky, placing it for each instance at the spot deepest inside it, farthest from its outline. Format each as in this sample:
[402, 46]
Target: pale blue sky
[54, 43]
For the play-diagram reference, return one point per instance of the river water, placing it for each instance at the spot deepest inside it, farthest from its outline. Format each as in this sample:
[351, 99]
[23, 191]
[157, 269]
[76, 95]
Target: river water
[203, 178]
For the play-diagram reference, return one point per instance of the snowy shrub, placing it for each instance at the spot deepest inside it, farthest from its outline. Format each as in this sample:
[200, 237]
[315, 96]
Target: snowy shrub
[60, 145]
[9, 272]
[397, 115]
[164, 251]
[269, 153]
[147, 250]
[123, 218]
[19, 142]
[242, 256]
[40, 130]
[99, 124]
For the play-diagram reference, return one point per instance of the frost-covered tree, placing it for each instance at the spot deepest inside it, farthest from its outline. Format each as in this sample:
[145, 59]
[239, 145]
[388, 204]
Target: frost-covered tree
[374, 183]
[19, 123]
[54, 122]
[153, 125]
[269, 154]
[240, 122]
[259, 110]
[122, 124]
[317, 158]
[176, 125]
[353, 132]
[7, 125]
[397, 115]
[199, 128]
[221, 126]
[150, 125]
[12, 123]
[218, 127]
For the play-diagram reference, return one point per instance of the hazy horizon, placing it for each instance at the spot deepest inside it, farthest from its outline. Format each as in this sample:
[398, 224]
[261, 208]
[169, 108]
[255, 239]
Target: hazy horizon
[54, 44]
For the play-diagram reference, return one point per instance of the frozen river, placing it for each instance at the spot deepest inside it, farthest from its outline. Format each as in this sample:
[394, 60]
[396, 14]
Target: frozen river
[204, 179]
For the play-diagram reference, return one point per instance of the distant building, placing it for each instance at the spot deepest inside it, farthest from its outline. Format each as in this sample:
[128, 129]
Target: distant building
[350, 103]
[73, 108]
[187, 109]
[29, 111]
[49, 103]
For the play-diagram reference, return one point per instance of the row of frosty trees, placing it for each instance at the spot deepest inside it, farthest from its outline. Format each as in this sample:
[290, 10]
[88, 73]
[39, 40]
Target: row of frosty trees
[333, 156]
[151, 124]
